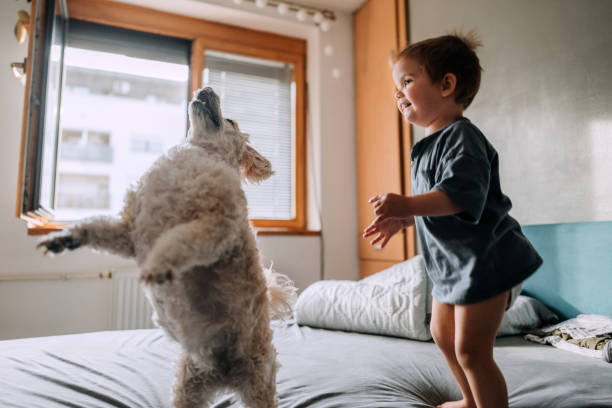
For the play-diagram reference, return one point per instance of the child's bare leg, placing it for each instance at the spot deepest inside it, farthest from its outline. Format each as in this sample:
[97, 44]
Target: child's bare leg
[443, 332]
[475, 328]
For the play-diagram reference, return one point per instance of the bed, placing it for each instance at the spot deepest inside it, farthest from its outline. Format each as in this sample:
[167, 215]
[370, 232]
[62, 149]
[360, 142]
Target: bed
[348, 368]
[320, 368]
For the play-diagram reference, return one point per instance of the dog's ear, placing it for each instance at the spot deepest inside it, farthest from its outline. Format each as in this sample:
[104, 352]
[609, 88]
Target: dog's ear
[253, 166]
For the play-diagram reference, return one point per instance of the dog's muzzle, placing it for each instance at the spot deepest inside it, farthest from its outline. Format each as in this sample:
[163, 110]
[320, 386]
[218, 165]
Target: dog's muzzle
[207, 102]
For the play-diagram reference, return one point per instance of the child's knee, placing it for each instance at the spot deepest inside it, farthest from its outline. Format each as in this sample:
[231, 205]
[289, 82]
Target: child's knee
[442, 337]
[472, 353]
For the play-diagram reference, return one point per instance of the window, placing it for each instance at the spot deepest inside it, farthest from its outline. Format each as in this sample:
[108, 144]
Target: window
[263, 90]
[123, 94]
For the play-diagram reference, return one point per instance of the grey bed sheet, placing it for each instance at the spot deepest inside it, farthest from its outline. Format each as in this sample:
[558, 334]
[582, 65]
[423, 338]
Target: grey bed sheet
[320, 368]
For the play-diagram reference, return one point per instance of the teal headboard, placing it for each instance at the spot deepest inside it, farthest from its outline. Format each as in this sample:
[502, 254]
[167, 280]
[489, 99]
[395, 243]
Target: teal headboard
[576, 276]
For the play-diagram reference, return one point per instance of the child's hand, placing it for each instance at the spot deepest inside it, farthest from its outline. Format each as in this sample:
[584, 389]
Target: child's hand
[390, 205]
[385, 229]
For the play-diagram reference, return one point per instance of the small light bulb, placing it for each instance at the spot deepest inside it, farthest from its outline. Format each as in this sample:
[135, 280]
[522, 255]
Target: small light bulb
[336, 73]
[301, 14]
[325, 26]
[318, 17]
[328, 50]
[261, 3]
[238, 2]
[282, 8]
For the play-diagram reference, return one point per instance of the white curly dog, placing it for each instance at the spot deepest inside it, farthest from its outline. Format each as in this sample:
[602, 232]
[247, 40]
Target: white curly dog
[186, 224]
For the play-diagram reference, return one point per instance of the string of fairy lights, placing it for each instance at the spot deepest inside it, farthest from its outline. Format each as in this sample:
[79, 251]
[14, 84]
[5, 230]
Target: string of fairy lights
[323, 18]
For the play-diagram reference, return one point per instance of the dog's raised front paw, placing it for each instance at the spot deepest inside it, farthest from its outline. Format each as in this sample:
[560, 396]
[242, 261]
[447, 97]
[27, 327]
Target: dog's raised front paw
[160, 276]
[58, 243]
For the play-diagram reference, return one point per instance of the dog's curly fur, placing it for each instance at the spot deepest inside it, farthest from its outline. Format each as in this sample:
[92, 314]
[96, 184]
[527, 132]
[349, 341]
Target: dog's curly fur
[186, 224]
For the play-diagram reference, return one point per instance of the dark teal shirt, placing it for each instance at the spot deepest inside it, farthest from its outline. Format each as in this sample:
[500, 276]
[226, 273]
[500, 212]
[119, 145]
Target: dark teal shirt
[480, 252]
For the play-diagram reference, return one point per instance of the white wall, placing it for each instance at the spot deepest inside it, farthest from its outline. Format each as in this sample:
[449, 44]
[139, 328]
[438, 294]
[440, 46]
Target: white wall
[545, 101]
[54, 307]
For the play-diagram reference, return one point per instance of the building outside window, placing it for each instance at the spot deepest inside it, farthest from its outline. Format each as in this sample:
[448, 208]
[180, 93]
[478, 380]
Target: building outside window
[119, 113]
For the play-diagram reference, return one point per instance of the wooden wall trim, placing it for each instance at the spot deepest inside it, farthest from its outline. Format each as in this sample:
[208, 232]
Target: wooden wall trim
[376, 119]
[196, 65]
[403, 34]
[383, 139]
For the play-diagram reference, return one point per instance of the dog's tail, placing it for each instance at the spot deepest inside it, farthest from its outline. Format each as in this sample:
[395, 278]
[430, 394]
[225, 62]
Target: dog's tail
[282, 294]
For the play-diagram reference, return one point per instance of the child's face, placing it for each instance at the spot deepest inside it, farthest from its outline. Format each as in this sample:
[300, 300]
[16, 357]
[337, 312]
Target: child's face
[419, 100]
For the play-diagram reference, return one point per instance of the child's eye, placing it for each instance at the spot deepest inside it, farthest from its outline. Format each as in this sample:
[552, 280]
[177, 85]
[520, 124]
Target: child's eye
[407, 81]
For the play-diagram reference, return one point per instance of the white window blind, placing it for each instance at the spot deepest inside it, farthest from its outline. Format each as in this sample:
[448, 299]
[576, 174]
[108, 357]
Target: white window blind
[260, 95]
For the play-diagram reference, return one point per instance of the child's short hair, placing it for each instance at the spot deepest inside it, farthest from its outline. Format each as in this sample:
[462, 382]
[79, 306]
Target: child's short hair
[453, 53]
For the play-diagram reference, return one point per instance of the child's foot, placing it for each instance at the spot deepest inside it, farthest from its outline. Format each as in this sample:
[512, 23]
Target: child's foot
[457, 404]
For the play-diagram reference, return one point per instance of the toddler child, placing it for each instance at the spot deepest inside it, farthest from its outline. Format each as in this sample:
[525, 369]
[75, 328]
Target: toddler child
[474, 252]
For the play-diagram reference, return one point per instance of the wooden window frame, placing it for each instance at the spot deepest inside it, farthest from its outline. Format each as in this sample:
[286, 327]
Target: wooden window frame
[204, 35]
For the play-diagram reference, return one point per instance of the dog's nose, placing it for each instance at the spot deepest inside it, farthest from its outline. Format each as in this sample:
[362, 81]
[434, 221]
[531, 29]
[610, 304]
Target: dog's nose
[202, 96]
[205, 93]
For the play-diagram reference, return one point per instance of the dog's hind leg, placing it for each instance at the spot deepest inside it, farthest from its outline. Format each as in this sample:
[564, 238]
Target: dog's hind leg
[105, 233]
[200, 242]
[259, 390]
[192, 388]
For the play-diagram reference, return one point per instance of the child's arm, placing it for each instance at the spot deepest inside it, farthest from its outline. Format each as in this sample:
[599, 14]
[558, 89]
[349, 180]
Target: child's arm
[386, 229]
[433, 204]
[395, 212]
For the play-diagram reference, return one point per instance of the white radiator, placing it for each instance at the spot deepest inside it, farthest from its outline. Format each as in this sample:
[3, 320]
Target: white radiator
[131, 309]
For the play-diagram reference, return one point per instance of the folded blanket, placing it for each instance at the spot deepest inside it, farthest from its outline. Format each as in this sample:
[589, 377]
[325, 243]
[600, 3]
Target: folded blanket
[589, 335]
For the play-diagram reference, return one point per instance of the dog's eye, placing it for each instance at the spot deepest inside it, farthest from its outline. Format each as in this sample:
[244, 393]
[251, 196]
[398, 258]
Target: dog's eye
[234, 124]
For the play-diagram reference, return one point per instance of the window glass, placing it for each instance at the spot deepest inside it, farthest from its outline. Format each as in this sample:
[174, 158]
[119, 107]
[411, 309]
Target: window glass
[51, 107]
[84, 191]
[124, 102]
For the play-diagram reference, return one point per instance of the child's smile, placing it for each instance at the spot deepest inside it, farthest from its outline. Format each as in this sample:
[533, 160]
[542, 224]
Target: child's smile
[417, 97]
[420, 100]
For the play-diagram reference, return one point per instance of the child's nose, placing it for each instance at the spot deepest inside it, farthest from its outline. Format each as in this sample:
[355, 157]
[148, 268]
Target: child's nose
[397, 94]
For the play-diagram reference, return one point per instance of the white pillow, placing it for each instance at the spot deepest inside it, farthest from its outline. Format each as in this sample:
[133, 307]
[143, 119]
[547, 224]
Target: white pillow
[398, 274]
[525, 314]
[392, 302]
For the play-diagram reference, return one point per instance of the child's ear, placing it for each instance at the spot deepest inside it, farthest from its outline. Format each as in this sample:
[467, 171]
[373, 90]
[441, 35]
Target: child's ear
[253, 166]
[448, 84]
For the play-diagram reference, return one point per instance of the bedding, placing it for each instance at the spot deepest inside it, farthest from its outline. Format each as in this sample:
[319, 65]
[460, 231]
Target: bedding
[319, 368]
[391, 302]
[589, 335]
[396, 302]
[526, 314]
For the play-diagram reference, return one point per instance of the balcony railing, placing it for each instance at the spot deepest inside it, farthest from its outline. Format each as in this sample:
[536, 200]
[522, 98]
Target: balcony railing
[87, 153]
